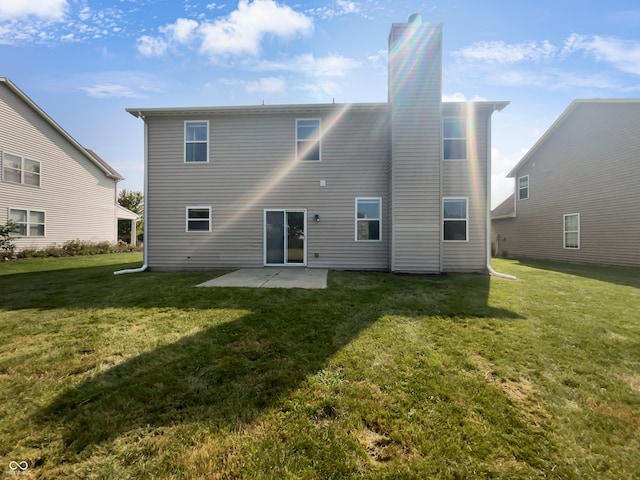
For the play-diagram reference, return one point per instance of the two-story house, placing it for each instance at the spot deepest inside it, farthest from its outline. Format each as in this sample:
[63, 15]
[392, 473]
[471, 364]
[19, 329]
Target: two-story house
[401, 185]
[576, 193]
[53, 188]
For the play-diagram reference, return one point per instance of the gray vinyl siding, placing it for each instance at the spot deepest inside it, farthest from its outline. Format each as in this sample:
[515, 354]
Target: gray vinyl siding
[391, 151]
[416, 145]
[252, 168]
[468, 179]
[77, 197]
[588, 165]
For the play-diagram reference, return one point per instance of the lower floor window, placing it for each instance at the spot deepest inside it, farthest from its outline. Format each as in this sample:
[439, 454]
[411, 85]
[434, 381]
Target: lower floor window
[198, 219]
[454, 219]
[571, 229]
[368, 218]
[30, 222]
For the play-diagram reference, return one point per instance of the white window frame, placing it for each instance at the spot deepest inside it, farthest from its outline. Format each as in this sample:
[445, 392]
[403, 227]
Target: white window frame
[22, 170]
[319, 139]
[521, 187]
[187, 219]
[28, 223]
[187, 142]
[565, 231]
[379, 219]
[463, 119]
[465, 219]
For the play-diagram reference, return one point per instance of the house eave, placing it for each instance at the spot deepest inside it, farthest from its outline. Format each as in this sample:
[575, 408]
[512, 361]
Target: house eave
[257, 109]
[309, 108]
[101, 164]
[491, 105]
[502, 217]
[572, 106]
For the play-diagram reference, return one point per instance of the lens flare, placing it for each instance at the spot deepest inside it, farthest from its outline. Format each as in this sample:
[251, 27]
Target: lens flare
[255, 195]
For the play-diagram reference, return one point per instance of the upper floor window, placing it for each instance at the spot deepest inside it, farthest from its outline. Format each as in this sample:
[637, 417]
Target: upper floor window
[571, 227]
[196, 141]
[198, 219]
[30, 222]
[523, 187]
[20, 170]
[308, 139]
[455, 219]
[368, 218]
[454, 138]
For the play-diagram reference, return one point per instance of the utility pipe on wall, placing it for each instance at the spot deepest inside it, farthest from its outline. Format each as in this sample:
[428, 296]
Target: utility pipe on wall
[489, 267]
[144, 193]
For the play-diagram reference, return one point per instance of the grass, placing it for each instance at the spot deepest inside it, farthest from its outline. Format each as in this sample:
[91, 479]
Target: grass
[379, 376]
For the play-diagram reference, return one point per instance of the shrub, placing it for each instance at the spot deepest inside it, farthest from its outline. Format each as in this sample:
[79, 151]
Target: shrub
[7, 246]
[74, 248]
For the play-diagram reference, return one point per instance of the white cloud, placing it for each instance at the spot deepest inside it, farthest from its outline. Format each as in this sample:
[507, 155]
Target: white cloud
[115, 84]
[182, 31]
[341, 7]
[622, 54]
[268, 85]
[45, 9]
[239, 33]
[461, 97]
[243, 30]
[329, 66]
[552, 79]
[85, 14]
[501, 52]
[322, 72]
[111, 90]
[151, 46]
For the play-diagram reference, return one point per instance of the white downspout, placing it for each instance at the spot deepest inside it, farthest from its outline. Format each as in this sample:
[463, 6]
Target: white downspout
[144, 194]
[488, 215]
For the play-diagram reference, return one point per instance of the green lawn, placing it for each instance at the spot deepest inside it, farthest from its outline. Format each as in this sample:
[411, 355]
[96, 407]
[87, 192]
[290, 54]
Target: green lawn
[379, 376]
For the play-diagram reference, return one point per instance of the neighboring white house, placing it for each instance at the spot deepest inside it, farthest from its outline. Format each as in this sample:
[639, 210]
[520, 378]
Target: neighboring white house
[51, 186]
[577, 197]
[400, 186]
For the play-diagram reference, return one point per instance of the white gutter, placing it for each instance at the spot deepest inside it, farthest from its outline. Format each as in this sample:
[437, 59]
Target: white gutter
[144, 196]
[488, 215]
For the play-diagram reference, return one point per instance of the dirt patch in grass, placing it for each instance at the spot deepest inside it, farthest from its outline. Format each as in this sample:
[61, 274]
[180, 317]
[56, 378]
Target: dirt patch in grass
[633, 380]
[520, 391]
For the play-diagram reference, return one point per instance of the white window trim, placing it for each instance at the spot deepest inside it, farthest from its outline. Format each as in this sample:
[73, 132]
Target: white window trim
[466, 219]
[184, 147]
[379, 219]
[520, 187]
[198, 207]
[319, 120]
[28, 234]
[22, 170]
[466, 142]
[565, 231]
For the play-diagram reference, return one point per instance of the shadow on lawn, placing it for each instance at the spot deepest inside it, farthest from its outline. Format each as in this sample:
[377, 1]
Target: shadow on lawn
[618, 275]
[227, 374]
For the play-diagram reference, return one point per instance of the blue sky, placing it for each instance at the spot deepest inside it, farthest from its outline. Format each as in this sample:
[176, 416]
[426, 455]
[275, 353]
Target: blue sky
[84, 61]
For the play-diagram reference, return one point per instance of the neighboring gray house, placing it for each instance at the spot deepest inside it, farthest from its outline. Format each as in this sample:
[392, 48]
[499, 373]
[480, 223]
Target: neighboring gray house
[51, 186]
[576, 194]
[400, 186]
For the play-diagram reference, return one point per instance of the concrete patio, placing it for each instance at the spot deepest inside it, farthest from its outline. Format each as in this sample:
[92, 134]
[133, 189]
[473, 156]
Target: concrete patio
[272, 277]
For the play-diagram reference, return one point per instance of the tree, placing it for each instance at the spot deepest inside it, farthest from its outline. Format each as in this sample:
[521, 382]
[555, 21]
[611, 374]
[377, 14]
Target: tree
[134, 201]
[6, 241]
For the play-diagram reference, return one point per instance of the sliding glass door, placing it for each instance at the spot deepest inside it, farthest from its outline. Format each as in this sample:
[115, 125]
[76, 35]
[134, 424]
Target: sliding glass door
[284, 237]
